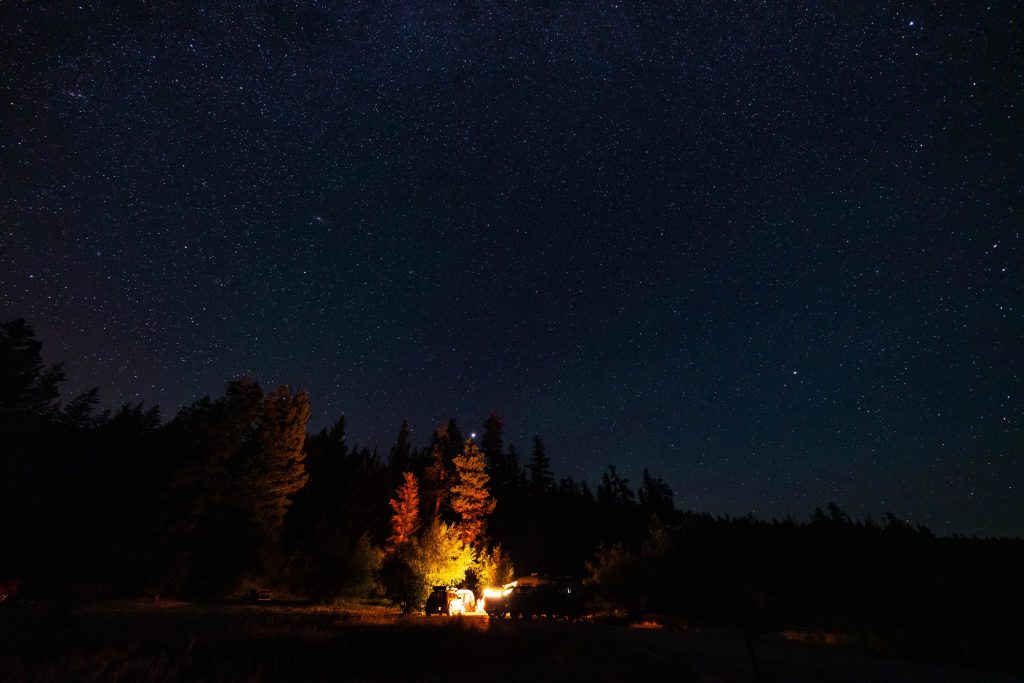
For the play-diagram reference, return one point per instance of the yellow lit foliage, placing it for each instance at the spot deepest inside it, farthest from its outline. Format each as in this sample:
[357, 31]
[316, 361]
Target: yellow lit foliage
[440, 557]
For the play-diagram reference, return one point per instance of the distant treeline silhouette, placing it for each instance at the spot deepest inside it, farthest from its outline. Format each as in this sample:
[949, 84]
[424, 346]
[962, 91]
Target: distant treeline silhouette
[232, 490]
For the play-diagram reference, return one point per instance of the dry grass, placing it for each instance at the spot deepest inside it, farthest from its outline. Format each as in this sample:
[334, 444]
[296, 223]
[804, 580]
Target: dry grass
[117, 643]
[139, 641]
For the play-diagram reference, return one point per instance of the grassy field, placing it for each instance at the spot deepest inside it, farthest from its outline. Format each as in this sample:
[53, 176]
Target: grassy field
[118, 642]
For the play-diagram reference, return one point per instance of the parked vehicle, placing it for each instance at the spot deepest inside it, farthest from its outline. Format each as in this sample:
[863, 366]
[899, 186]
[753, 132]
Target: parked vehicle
[537, 596]
[468, 600]
[255, 595]
[444, 600]
[8, 589]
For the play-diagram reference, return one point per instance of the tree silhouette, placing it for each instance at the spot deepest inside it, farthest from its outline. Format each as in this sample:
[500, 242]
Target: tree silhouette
[399, 457]
[29, 390]
[656, 496]
[504, 475]
[471, 499]
[541, 477]
[448, 439]
[436, 483]
[614, 489]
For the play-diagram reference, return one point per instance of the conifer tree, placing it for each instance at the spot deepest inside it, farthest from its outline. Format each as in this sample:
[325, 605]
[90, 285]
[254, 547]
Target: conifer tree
[471, 499]
[405, 521]
[656, 496]
[516, 475]
[491, 442]
[29, 390]
[279, 471]
[614, 489]
[498, 466]
[436, 484]
[541, 478]
[448, 438]
[399, 456]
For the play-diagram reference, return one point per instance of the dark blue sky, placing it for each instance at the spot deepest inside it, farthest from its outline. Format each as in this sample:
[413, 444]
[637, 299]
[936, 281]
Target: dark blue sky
[771, 251]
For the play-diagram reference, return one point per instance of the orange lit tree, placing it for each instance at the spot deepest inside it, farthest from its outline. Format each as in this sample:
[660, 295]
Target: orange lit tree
[279, 471]
[471, 499]
[405, 521]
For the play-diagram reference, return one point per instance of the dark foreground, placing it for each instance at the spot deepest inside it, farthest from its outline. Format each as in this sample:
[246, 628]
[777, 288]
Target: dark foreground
[134, 642]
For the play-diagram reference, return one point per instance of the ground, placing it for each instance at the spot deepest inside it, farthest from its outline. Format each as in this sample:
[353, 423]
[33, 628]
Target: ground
[116, 642]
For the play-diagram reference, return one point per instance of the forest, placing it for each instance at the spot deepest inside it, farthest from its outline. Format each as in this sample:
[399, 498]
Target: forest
[233, 492]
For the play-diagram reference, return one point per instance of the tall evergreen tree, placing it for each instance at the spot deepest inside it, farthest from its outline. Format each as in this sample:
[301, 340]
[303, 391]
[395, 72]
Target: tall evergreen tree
[471, 499]
[405, 521]
[336, 437]
[279, 471]
[614, 489]
[449, 439]
[29, 390]
[541, 478]
[656, 497]
[503, 475]
[436, 484]
[516, 476]
[492, 443]
[399, 457]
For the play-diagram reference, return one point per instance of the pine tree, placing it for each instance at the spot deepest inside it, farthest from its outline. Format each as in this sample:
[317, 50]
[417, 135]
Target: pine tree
[399, 456]
[656, 497]
[435, 484]
[492, 444]
[279, 471]
[405, 521]
[336, 436]
[448, 438]
[471, 499]
[517, 476]
[541, 478]
[29, 390]
[614, 489]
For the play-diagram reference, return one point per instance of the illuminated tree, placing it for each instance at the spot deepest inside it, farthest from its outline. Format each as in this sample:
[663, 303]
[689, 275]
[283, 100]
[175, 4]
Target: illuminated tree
[406, 518]
[440, 557]
[471, 500]
[279, 472]
[494, 568]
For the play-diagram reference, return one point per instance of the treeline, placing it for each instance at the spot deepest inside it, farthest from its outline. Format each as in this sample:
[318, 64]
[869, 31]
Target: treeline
[232, 490]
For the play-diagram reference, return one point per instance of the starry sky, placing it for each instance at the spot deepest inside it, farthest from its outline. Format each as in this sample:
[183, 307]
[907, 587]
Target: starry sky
[770, 250]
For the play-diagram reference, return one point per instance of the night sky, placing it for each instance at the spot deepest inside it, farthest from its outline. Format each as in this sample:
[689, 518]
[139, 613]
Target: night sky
[771, 251]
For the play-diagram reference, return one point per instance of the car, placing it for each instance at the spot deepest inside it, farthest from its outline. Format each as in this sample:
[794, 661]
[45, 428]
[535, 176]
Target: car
[538, 596]
[255, 595]
[8, 589]
[443, 600]
[468, 600]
